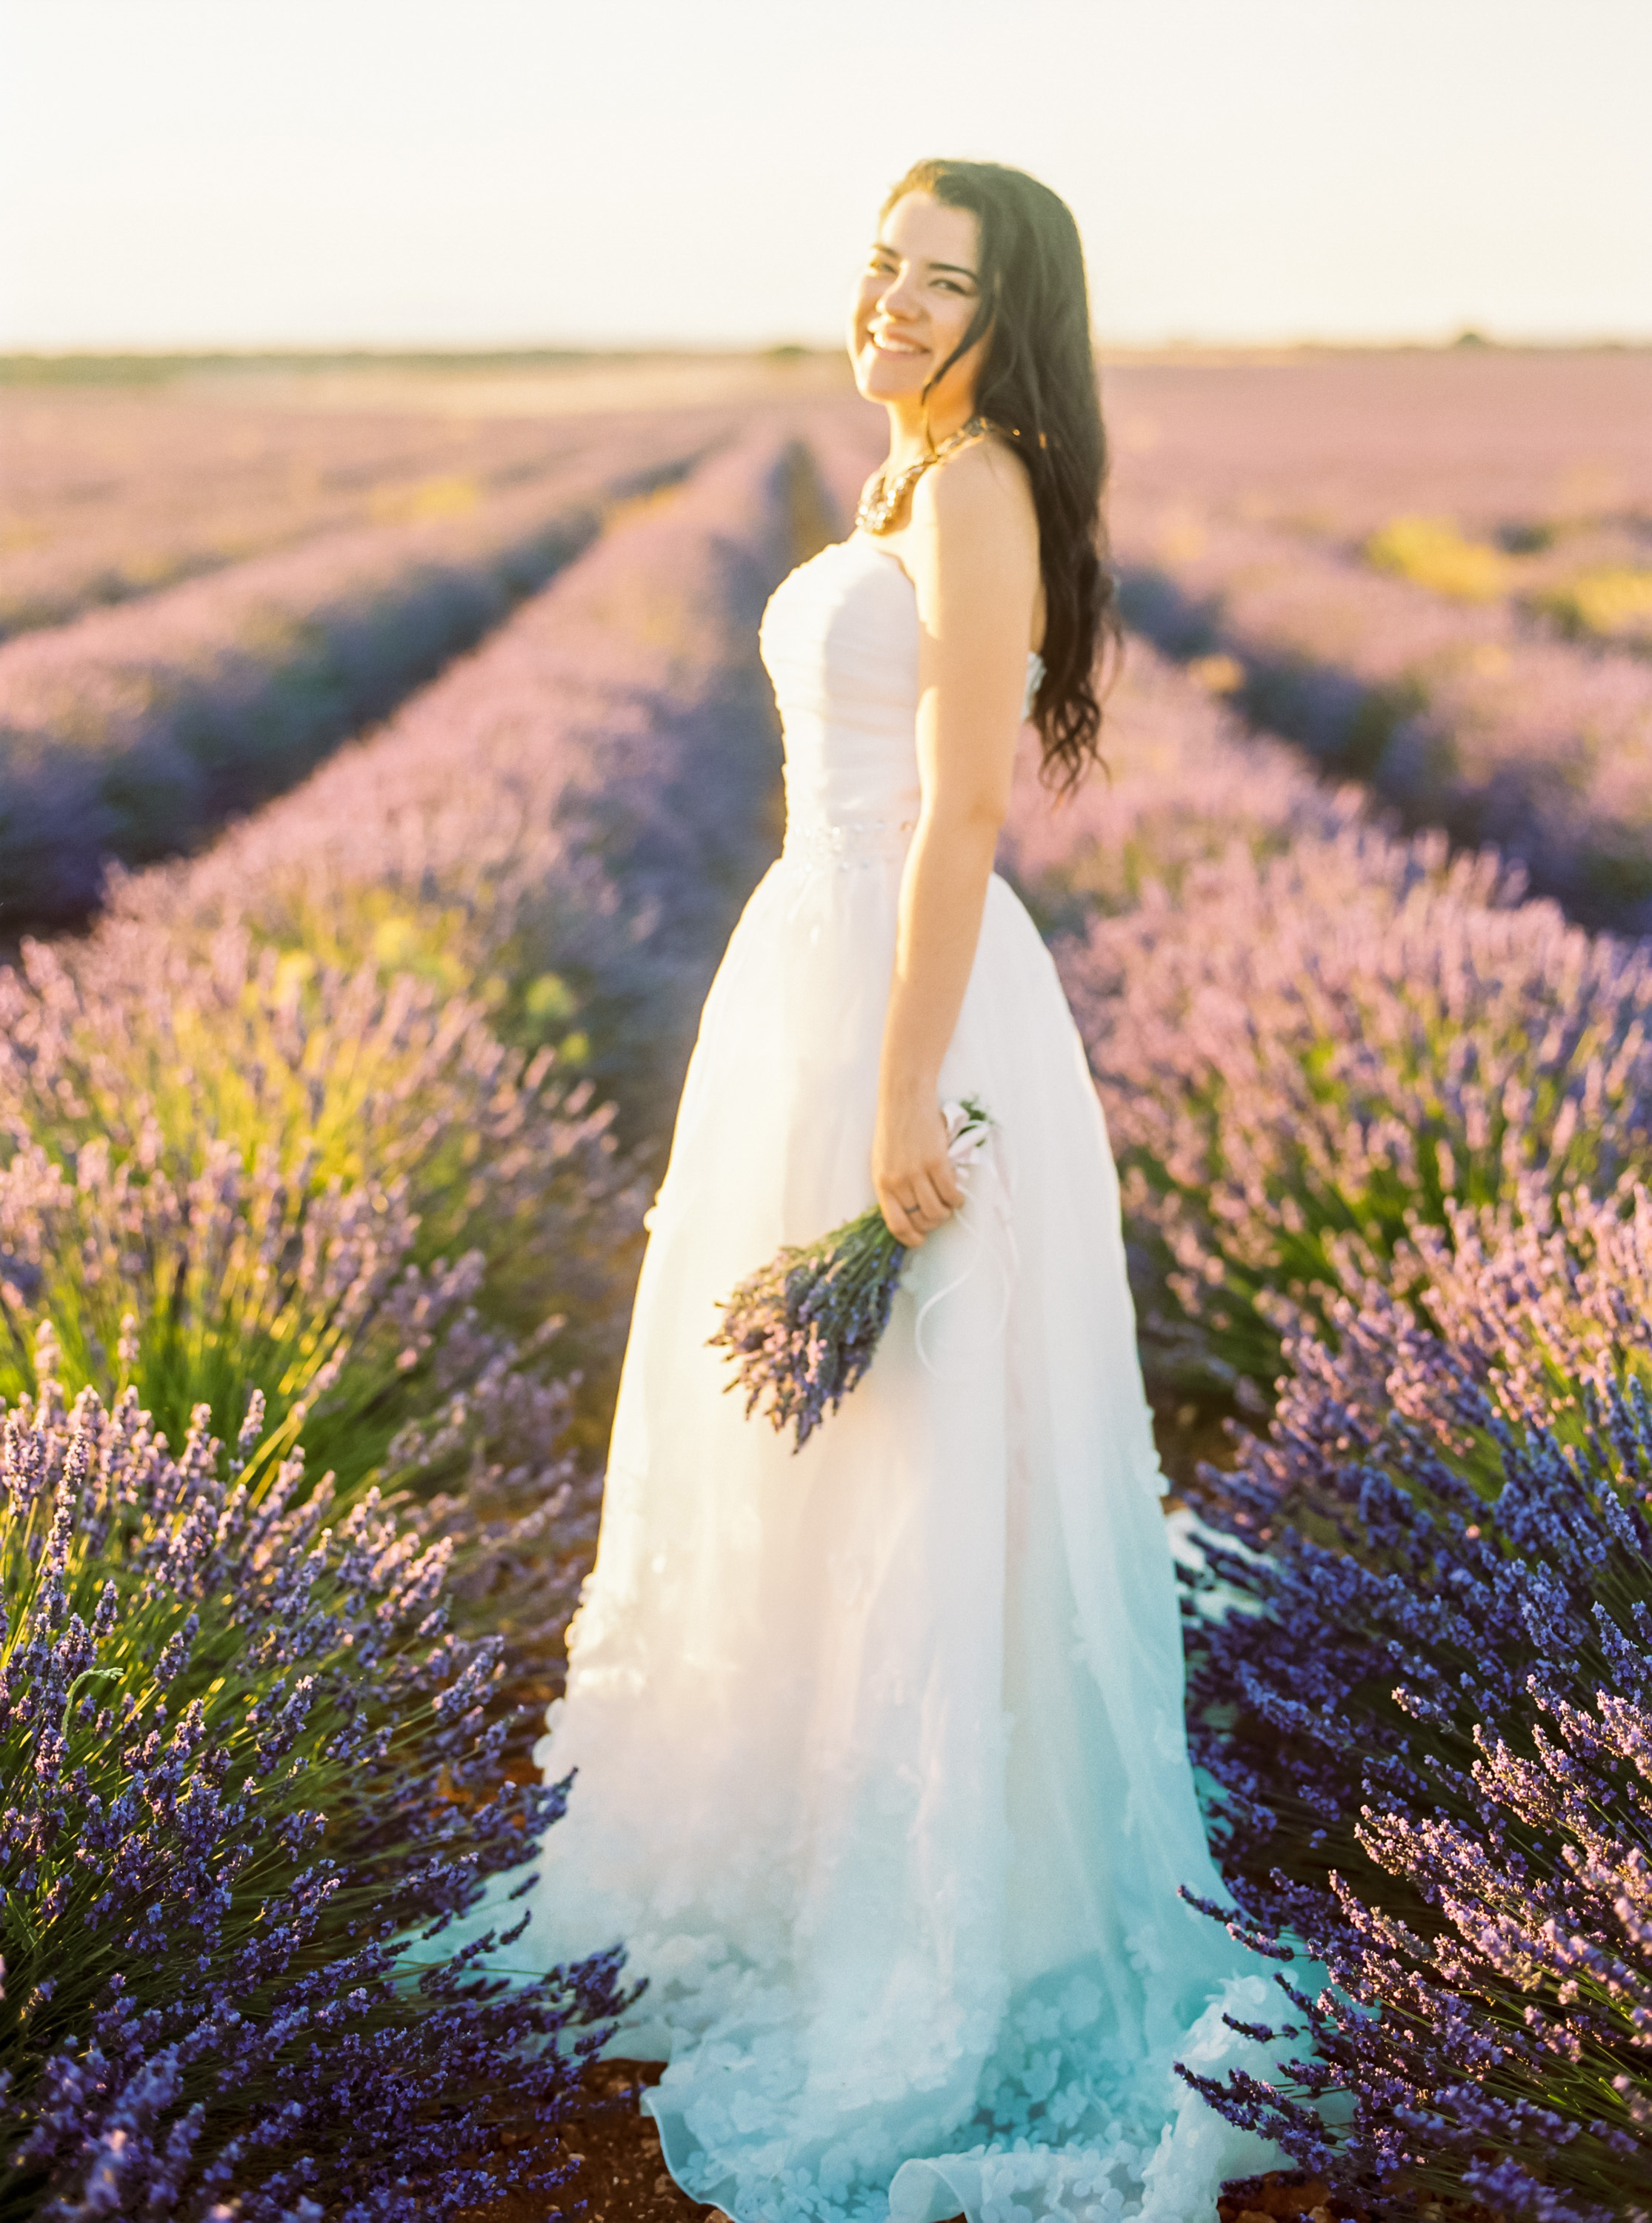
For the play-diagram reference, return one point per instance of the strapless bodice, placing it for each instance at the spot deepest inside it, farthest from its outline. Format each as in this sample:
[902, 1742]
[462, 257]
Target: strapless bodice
[840, 640]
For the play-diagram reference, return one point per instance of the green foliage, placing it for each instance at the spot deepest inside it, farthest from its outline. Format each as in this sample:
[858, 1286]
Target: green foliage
[298, 1181]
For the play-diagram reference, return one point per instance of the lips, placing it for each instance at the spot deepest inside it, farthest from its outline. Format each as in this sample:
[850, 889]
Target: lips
[886, 343]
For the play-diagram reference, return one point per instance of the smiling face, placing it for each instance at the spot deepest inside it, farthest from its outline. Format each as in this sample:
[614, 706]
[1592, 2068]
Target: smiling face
[913, 306]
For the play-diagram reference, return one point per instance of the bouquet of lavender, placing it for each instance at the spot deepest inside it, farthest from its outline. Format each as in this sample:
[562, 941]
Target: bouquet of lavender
[803, 1328]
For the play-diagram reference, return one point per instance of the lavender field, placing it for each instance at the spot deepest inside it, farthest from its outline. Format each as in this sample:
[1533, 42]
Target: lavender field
[113, 494]
[323, 1153]
[1435, 570]
[129, 732]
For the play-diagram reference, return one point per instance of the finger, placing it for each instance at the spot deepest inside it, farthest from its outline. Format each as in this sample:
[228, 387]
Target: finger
[948, 1185]
[932, 1206]
[900, 1222]
[918, 1203]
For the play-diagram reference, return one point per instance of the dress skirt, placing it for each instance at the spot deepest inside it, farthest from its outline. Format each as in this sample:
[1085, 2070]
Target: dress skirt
[880, 1769]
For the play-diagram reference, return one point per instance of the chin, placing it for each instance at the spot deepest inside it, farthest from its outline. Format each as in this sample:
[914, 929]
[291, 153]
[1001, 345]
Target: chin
[889, 378]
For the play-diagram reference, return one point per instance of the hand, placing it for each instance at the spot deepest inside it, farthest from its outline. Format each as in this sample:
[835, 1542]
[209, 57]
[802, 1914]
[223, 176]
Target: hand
[916, 1183]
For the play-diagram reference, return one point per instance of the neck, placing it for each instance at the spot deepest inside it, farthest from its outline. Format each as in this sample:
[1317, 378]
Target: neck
[906, 436]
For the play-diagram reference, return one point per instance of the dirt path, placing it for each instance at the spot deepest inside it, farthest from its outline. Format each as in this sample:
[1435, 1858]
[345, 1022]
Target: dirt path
[624, 2179]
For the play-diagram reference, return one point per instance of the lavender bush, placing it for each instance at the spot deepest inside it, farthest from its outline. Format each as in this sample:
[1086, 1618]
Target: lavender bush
[262, 1107]
[1460, 714]
[1181, 782]
[1356, 1087]
[1342, 1039]
[295, 1193]
[1431, 1727]
[249, 1783]
[129, 733]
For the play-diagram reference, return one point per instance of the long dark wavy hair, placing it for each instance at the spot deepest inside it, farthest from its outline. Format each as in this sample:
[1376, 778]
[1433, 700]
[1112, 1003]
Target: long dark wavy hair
[1038, 385]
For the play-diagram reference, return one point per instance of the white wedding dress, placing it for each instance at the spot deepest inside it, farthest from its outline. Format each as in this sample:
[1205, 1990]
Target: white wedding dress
[880, 1767]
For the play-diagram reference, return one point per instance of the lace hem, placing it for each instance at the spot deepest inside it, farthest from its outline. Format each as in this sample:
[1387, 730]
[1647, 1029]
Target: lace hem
[1056, 2130]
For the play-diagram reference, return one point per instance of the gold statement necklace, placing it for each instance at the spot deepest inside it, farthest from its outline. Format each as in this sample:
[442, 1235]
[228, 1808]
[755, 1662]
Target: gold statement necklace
[883, 499]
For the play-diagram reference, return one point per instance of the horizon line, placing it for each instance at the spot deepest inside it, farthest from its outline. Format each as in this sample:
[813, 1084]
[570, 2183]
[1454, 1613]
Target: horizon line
[1466, 338]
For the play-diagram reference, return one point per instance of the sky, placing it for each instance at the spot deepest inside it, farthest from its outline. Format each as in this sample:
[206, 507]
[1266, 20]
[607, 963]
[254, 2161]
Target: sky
[250, 173]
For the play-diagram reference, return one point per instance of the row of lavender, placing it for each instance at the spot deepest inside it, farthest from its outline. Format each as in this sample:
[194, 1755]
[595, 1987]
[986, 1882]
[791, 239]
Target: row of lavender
[112, 492]
[305, 1153]
[1491, 475]
[1523, 447]
[1522, 481]
[1384, 1128]
[132, 732]
[1460, 712]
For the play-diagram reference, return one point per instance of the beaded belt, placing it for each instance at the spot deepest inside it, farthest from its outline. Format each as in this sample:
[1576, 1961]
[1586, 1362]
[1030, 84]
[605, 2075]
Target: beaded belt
[847, 840]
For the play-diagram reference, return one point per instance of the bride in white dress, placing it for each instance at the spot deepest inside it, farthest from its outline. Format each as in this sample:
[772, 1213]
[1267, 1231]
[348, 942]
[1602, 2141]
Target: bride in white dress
[881, 1768]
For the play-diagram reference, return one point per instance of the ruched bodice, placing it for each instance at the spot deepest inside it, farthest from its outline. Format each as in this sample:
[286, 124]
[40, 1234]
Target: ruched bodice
[840, 640]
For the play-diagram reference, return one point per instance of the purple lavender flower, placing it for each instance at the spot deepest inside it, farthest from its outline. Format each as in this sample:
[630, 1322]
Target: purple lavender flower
[1321, 1040]
[803, 1329]
[1430, 1732]
[1519, 447]
[250, 1779]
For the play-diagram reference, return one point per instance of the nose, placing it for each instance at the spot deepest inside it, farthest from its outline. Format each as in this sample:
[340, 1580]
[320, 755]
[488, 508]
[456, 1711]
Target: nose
[899, 298]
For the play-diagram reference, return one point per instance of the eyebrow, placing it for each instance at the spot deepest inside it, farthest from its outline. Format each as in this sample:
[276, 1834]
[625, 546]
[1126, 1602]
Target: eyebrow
[881, 247]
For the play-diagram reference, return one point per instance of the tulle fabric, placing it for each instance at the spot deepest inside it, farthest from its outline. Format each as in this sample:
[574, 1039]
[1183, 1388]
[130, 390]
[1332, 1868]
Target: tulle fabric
[880, 1772]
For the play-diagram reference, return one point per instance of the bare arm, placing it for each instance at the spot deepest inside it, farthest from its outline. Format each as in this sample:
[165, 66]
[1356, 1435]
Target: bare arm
[972, 551]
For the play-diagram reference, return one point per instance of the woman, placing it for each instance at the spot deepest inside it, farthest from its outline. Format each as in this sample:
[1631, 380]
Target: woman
[880, 1769]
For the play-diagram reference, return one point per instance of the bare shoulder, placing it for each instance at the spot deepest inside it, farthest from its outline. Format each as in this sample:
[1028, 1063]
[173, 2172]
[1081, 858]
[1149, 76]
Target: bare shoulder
[980, 493]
